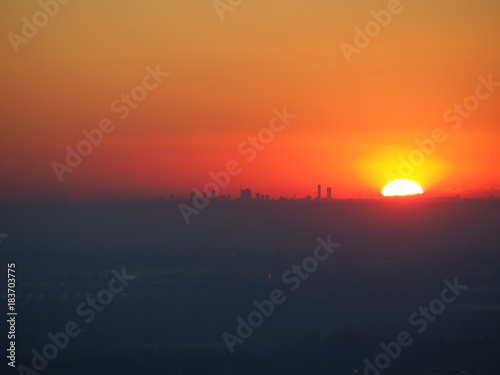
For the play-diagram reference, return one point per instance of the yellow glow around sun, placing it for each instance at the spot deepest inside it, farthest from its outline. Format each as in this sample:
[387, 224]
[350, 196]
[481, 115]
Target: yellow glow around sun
[401, 187]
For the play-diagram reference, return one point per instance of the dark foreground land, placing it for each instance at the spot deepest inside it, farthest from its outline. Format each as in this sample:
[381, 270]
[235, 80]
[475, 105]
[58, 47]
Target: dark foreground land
[192, 283]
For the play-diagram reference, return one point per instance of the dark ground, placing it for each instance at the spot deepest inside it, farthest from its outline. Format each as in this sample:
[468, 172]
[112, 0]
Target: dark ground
[193, 282]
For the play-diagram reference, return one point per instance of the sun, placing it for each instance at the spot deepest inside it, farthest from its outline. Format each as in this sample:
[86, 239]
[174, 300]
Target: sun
[401, 187]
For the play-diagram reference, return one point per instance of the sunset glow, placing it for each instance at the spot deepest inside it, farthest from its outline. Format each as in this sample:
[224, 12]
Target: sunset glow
[404, 106]
[401, 187]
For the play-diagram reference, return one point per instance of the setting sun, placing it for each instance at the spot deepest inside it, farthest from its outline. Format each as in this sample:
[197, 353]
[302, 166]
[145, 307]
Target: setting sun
[401, 187]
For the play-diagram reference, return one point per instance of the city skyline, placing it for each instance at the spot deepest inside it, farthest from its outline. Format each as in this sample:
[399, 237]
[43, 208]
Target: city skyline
[333, 91]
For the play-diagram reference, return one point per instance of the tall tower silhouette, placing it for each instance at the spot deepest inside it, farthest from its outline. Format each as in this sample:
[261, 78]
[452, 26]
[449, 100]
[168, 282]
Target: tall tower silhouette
[319, 191]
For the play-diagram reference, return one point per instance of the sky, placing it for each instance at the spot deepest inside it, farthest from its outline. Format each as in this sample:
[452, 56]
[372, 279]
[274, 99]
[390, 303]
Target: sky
[371, 91]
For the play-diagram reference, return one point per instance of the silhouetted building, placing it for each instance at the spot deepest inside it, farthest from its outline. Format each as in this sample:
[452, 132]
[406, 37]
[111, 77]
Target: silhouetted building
[328, 193]
[245, 193]
[319, 191]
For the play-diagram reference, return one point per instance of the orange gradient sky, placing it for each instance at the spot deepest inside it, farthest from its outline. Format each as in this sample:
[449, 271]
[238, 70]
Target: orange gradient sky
[354, 120]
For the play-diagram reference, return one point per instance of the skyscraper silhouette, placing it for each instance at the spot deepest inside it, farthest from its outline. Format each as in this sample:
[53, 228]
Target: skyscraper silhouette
[245, 193]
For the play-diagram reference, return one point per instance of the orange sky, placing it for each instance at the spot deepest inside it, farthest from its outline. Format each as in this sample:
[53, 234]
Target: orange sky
[355, 121]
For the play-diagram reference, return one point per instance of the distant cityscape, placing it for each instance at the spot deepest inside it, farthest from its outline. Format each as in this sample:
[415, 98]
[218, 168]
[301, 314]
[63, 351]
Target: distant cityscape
[246, 195]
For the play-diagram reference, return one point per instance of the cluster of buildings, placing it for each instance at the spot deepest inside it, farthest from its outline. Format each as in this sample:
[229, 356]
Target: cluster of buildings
[246, 195]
